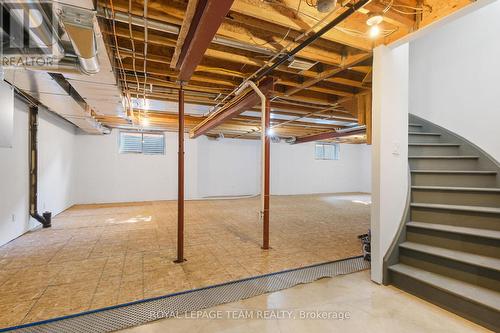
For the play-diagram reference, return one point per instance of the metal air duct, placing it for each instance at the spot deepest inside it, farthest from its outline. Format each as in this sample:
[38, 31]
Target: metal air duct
[79, 25]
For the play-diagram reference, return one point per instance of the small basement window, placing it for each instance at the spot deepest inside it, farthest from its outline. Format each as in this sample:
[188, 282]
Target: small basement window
[326, 151]
[142, 143]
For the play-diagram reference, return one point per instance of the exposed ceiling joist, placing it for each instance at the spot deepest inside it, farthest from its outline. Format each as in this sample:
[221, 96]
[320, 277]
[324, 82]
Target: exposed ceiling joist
[247, 38]
[327, 74]
[328, 136]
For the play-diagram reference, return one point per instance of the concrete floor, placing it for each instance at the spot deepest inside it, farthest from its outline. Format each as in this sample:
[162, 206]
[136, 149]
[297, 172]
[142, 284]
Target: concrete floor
[101, 255]
[349, 303]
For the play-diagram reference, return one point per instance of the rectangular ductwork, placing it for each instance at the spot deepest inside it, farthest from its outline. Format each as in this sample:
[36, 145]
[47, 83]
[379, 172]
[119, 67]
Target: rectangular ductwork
[66, 87]
[79, 25]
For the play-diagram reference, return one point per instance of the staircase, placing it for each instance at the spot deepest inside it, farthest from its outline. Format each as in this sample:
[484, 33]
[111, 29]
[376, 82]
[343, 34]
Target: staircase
[449, 250]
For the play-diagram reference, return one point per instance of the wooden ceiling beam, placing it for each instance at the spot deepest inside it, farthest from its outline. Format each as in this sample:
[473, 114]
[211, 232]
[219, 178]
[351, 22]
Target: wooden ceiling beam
[203, 26]
[327, 135]
[233, 108]
[327, 74]
[256, 35]
[285, 15]
[347, 82]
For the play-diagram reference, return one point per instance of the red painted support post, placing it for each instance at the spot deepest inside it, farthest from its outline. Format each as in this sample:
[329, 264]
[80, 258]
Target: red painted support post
[180, 181]
[267, 164]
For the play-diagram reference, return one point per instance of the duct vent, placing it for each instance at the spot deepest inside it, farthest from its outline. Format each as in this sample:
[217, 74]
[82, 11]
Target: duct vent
[301, 64]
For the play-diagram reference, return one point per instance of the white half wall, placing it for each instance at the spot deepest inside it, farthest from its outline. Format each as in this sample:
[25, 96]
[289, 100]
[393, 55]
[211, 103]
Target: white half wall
[55, 172]
[390, 149]
[454, 75]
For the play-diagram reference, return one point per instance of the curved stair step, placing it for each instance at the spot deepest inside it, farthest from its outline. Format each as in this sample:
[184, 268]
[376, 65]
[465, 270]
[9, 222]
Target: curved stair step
[484, 233]
[424, 144]
[424, 133]
[457, 188]
[443, 157]
[456, 172]
[460, 256]
[476, 209]
[468, 291]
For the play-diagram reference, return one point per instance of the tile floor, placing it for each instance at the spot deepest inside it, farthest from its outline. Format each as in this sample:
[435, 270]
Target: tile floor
[102, 255]
[363, 305]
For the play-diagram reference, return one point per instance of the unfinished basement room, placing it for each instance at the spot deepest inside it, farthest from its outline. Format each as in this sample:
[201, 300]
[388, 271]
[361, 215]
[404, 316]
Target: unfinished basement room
[249, 166]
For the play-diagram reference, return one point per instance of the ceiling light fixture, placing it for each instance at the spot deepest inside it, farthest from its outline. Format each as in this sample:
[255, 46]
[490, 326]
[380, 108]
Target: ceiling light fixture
[374, 19]
[374, 31]
[145, 121]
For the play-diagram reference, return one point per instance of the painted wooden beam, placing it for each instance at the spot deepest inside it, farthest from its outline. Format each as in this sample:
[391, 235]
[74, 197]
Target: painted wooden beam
[233, 108]
[204, 24]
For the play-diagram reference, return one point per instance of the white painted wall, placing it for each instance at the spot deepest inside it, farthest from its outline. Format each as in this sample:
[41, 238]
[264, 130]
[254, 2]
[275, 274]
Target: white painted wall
[104, 175]
[7, 114]
[390, 149]
[88, 169]
[213, 169]
[56, 147]
[14, 195]
[228, 168]
[294, 170]
[56, 163]
[454, 75]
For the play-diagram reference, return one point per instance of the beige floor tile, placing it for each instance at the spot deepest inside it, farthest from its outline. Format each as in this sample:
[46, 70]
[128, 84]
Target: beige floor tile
[12, 314]
[104, 255]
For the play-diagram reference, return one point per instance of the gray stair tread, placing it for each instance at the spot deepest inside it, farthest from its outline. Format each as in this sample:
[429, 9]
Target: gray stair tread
[456, 188]
[473, 293]
[434, 144]
[476, 209]
[472, 172]
[464, 257]
[424, 133]
[445, 157]
[485, 233]
[414, 125]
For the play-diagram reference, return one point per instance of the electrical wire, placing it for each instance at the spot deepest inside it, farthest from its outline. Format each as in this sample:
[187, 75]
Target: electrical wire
[311, 4]
[416, 10]
[145, 15]
[408, 13]
[132, 41]
[121, 69]
[275, 2]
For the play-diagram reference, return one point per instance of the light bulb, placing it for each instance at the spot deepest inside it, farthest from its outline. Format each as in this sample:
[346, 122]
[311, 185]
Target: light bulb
[374, 31]
[270, 132]
[145, 121]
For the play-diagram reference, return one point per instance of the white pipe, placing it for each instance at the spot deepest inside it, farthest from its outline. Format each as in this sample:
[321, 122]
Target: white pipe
[263, 135]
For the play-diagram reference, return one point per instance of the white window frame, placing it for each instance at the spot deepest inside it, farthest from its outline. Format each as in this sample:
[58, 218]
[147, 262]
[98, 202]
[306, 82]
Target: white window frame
[142, 143]
[336, 150]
